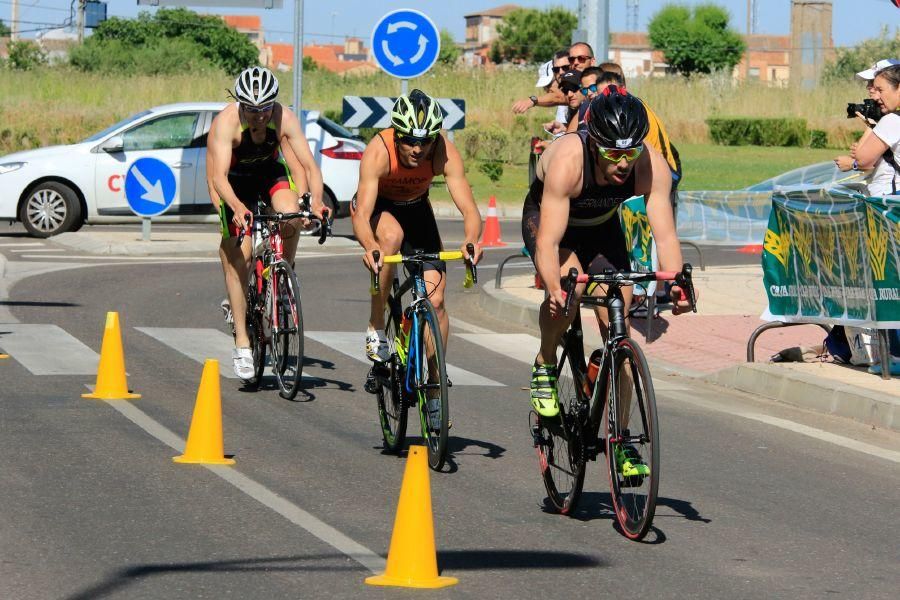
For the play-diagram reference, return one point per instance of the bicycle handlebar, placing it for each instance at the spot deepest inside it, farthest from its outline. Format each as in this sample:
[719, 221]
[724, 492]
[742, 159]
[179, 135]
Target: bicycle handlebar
[445, 255]
[324, 224]
[681, 278]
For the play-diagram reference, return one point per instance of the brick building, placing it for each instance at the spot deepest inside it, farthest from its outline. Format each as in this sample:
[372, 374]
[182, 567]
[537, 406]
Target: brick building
[481, 31]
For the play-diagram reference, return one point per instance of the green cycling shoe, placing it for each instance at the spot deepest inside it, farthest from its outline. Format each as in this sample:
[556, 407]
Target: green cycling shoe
[544, 398]
[629, 463]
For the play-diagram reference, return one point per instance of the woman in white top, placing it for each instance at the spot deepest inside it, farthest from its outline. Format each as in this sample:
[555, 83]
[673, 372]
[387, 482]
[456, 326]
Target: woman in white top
[886, 134]
[881, 174]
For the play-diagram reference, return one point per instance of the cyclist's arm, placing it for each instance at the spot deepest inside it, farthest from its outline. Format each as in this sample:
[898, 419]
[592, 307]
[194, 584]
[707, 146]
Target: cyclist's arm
[293, 132]
[450, 163]
[562, 178]
[298, 173]
[213, 195]
[218, 156]
[654, 181]
[373, 165]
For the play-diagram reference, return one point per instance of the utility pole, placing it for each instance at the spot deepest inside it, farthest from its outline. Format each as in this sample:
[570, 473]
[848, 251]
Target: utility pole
[298, 56]
[593, 27]
[747, 40]
[14, 25]
[81, 4]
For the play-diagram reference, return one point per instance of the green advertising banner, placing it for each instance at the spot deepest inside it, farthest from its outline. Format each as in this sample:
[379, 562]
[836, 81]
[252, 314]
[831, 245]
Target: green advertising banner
[883, 237]
[830, 256]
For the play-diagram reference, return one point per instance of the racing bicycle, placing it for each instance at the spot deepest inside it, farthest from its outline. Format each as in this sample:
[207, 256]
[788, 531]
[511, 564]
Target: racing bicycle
[416, 374]
[274, 312]
[606, 406]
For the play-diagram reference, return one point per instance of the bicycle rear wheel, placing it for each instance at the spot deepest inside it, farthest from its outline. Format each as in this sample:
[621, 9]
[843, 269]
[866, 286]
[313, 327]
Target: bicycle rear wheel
[255, 330]
[560, 440]
[632, 426]
[434, 407]
[287, 337]
[392, 409]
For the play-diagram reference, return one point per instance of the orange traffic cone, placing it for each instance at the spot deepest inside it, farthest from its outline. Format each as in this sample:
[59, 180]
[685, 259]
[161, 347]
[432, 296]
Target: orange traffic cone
[111, 379]
[204, 443]
[491, 236]
[751, 249]
[412, 559]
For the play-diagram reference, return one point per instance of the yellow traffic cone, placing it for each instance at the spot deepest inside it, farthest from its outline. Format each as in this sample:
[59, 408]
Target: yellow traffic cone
[412, 559]
[204, 443]
[111, 382]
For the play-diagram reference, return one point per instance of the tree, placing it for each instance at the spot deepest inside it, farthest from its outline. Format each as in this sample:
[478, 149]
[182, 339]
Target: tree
[450, 52]
[533, 36]
[850, 61]
[4, 30]
[696, 41]
[206, 37]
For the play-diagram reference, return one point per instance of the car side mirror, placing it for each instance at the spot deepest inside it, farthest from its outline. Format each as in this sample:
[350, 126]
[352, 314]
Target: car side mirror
[113, 144]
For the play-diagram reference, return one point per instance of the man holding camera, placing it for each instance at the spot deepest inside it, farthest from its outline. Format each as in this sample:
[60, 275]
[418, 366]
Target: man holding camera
[875, 149]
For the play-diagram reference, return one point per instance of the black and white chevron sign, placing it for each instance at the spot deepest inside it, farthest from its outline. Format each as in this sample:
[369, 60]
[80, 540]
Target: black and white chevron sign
[375, 111]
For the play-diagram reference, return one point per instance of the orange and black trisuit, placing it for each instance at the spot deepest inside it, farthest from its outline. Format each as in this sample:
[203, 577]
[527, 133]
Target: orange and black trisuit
[403, 193]
[256, 171]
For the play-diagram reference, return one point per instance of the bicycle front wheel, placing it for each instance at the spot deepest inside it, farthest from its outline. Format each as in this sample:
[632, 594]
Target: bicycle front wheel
[287, 335]
[434, 407]
[389, 378]
[560, 440]
[632, 442]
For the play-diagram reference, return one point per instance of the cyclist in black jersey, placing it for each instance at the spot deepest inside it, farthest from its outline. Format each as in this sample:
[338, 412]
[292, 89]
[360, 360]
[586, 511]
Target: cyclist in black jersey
[570, 216]
[256, 149]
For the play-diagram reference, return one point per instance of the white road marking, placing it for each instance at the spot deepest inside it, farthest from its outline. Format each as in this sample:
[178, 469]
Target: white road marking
[284, 507]
[517, 346]
[47, 350]
[202, 344]
[36, 250]
[787, 425]
[19, 244]
[351, 344]
[460, 324]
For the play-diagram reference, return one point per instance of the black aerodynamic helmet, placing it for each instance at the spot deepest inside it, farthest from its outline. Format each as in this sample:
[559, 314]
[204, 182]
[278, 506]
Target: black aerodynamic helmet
[616, 119]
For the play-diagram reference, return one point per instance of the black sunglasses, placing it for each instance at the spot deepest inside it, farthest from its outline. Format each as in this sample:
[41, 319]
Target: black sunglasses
[414, 141]
[558, 69]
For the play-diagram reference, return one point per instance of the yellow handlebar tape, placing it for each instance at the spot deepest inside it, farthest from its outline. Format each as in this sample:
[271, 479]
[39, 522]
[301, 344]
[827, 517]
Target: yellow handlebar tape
[447, 255]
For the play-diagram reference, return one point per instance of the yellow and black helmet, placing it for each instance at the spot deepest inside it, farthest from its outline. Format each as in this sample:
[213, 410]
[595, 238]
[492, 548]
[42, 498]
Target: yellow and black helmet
[417, 115]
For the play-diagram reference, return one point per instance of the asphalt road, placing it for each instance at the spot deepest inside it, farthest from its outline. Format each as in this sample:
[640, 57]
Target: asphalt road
[757, 500]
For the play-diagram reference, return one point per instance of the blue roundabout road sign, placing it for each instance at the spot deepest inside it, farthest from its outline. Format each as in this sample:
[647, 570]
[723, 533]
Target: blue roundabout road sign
[405, 43]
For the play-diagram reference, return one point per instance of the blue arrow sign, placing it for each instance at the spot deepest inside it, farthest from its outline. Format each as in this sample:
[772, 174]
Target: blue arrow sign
[405, 43]
[149, 187]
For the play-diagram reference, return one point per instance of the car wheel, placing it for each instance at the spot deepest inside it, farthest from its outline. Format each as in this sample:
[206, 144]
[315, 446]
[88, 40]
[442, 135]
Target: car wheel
[331, 204]
[50, 208]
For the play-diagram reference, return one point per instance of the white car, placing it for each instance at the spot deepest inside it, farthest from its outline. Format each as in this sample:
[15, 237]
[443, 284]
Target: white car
[57, 189]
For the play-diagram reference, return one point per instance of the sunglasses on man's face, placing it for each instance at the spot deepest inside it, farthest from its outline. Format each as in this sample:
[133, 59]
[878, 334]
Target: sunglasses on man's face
[257, 109]
[617, 154]
[560, 68]
[408, 140]
[591, 88]
[568, 90]
[582, 58]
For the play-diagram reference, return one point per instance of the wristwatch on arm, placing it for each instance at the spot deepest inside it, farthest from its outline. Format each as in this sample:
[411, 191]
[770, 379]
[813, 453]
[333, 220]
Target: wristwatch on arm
[534, 100]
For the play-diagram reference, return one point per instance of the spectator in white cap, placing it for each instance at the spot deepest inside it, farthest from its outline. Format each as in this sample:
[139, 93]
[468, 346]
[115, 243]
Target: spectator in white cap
[551, 96]
[884, 141]
[880, 177]
[881, 65]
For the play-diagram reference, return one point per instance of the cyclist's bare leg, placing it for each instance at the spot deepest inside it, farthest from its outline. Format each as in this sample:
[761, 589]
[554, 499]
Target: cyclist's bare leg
[235, 266]
[436, 284]
[286, 201]
[389, 236]
[552, 329]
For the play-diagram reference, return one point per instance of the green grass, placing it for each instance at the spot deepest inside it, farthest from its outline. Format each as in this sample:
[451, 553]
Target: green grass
[710, 167]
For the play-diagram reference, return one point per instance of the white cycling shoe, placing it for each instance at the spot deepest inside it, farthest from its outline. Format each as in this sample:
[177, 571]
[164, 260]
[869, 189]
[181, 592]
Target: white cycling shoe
[377, 348]
[242, 358]
[226, 311]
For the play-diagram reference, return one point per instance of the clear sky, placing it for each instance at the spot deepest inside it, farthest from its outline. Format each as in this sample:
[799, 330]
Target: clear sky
[854, 20]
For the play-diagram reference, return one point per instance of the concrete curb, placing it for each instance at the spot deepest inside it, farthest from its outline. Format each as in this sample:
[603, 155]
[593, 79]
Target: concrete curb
[806, 391]
[769, 381]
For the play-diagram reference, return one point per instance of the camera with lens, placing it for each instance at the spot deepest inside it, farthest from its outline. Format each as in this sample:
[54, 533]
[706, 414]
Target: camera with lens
[868, 109]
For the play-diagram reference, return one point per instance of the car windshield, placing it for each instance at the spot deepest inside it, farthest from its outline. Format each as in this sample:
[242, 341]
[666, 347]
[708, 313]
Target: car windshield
[100, 134]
